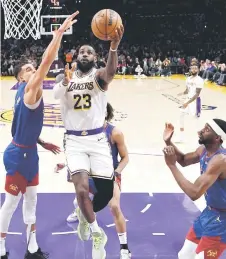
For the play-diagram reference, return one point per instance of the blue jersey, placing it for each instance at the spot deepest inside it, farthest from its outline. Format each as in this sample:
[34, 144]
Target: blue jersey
[21, 156]
[27, 123]
[216, 194]
[114, 150]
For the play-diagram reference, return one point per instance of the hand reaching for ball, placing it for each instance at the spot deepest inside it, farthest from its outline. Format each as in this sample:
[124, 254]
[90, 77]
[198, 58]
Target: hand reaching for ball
[68, 73]
[115, 40]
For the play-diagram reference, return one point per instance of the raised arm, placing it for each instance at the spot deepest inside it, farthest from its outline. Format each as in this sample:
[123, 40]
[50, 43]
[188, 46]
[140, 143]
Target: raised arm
[182, 159]
[216, 167]
[33, 90]
[106, 75]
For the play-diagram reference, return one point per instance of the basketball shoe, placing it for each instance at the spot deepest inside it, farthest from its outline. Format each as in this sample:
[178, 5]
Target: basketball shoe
[99, 242]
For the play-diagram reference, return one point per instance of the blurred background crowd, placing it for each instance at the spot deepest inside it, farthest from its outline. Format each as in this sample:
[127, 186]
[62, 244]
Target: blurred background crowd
[161, 38]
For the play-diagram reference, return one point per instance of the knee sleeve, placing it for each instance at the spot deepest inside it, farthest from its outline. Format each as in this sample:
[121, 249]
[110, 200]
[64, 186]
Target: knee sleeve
[29, 205]
[188, 250]
[7, 210]
[104, 193]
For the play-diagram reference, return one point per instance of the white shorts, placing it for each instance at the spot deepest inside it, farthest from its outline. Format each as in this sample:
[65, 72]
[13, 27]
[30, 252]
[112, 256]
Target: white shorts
[90, 154]
[193, 109]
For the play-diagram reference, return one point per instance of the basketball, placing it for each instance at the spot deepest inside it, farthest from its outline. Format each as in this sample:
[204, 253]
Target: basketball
[104, 24]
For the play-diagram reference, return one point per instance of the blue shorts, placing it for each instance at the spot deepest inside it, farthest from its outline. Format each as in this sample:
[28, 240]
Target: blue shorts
[211, 223]
[22, 167]
[209, 231]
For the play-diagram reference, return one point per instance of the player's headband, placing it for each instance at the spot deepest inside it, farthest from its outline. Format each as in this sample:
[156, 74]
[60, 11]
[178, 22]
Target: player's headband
[215, 127]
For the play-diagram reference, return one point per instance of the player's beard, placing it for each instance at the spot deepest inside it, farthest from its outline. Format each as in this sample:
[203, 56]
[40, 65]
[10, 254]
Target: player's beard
[206, 142]
[86, 66]
[194, 73]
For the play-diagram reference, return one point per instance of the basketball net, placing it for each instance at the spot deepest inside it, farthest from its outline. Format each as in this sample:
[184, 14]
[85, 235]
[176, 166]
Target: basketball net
[22, 18]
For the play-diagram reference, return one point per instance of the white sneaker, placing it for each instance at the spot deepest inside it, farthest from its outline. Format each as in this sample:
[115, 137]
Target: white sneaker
[125, 254]
[83, 226]
[72, 217]
[99, 242]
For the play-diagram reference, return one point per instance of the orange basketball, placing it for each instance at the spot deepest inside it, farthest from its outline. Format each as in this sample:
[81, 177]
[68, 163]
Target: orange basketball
[104, 23]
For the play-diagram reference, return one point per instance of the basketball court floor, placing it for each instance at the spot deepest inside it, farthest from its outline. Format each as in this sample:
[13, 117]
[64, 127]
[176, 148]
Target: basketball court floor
[158, 213]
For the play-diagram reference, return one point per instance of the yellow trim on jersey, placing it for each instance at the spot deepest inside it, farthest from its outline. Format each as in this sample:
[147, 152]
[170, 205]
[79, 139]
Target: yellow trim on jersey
[100, 88]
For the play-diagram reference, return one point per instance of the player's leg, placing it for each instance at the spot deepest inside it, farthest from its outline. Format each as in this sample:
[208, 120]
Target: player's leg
[78, 164]
[212, 244]
[188, 251]
[120, 221]
[29, 217]
[183, 113]
[102, 172]
[6, 212]
[73, 216]
[84, 210]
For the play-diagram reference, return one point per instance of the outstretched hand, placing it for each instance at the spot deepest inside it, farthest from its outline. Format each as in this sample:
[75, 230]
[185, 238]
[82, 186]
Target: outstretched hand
[68, 73]
[117, 37]
[51, 147]
[68, 22]
[168, 132]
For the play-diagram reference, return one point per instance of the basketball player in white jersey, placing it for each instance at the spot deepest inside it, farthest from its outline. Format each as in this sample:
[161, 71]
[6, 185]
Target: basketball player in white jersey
[118, 147]
[192, 104]
[83, 107]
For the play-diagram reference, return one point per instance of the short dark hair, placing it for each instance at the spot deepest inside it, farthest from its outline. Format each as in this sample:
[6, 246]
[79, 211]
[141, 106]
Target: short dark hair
[110, 112]
[18, 67]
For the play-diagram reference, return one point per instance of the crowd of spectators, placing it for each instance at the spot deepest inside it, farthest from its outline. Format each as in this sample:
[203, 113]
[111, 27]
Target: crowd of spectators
[161, 50]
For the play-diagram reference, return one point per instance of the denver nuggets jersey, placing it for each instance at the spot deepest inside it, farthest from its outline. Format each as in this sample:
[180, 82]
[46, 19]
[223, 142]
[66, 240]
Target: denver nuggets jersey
[192, 83]
[216, 194]
[27, 123]
[83, 106]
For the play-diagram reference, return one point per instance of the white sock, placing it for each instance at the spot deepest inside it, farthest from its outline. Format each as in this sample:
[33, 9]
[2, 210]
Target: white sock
[75, 202]
[32, 246]
[122, 238]
[94, 227]
[2, 246]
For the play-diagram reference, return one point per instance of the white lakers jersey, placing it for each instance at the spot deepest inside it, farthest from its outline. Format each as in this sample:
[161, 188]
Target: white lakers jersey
[83, 107]
[192, 83]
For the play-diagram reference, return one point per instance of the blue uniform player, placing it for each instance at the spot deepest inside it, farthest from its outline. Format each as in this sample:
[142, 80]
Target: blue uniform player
[21, 157]
[207, 237]
[118, 147]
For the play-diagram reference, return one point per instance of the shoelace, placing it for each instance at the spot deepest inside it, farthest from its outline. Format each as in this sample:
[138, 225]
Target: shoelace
[96, 242]
[86, 225]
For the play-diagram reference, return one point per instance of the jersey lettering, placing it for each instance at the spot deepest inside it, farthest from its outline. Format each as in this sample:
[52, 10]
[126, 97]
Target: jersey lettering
[80, 86]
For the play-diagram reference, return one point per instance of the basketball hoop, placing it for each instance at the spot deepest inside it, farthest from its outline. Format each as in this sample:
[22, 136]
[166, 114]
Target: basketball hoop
[22, 18]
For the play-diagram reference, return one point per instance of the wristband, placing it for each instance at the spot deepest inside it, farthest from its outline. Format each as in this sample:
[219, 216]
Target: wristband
[113, 50]
[40, 142]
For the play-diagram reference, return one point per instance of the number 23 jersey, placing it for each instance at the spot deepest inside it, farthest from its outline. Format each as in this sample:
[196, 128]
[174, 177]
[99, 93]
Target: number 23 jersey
[83, 106]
